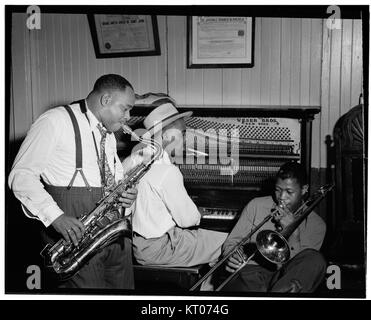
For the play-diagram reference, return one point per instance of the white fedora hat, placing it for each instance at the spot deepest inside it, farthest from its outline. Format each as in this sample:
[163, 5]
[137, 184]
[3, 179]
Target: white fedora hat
[162, 116]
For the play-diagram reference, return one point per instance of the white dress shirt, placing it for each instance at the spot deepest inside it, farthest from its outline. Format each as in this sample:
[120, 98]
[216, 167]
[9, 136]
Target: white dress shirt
[48, 151]
[162, 201]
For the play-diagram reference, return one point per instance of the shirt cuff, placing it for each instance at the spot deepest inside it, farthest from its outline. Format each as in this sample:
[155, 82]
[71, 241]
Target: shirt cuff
[47, 215]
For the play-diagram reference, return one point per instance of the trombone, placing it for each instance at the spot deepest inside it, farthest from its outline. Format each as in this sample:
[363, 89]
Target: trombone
[272, 245]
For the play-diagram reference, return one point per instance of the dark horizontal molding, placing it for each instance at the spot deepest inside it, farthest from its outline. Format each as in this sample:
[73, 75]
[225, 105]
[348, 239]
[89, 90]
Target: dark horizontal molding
[299, 11]
[297, 112]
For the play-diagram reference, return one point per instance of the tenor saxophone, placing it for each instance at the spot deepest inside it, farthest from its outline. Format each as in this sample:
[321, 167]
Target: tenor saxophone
[101, 226]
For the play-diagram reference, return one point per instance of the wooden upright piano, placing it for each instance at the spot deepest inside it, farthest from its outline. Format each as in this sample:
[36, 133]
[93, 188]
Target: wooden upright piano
[237, 152]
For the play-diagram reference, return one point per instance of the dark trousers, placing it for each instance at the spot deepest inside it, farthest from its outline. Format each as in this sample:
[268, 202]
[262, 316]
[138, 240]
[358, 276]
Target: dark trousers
[308, 268]
[109, 268]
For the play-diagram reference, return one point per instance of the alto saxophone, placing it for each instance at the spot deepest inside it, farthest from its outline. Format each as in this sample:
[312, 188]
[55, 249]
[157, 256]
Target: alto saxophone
[101, 226]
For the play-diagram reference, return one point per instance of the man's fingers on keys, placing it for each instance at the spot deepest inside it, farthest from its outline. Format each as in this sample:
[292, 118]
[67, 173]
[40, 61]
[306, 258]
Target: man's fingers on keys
[72, 235]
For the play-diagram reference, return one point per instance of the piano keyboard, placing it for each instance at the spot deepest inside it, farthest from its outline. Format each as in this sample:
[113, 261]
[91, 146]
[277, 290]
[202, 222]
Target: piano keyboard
[218, 219]
[219, 213]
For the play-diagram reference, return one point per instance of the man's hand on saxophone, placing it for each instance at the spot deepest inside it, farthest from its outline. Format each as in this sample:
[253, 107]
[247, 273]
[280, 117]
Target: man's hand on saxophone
[70, 228]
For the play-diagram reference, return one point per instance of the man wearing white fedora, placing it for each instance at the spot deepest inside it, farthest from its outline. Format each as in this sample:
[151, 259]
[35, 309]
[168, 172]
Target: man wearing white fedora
[165, 219]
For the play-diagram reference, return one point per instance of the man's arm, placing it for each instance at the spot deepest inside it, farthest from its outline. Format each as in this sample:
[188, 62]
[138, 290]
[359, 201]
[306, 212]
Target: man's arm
[180, 205]
[241, 229]
[314, 232]
[31, 161]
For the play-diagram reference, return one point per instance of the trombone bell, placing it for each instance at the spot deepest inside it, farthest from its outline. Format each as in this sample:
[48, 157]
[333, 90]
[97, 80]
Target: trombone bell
[273, 246]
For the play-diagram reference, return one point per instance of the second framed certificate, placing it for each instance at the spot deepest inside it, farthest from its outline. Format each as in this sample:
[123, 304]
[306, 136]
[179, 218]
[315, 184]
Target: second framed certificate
[220, 42]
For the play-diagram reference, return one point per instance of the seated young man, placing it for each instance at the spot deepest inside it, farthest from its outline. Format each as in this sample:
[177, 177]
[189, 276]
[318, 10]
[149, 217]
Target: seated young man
[165, 219]
[306, 268]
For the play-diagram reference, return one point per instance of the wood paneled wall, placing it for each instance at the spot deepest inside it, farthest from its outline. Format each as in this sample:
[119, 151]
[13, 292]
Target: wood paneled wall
[297, 62]
[341, 81]
[287, 67]
[57, 64]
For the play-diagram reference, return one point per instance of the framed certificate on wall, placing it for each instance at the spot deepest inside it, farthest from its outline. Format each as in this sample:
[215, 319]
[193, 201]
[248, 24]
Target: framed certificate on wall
[220, 42]
[117, 35]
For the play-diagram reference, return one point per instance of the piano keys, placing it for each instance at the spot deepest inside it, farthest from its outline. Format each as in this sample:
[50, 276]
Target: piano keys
[218, 219]
[218, 213]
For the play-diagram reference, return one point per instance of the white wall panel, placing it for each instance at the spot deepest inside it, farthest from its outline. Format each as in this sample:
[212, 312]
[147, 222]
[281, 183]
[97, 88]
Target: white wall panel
[297, 62]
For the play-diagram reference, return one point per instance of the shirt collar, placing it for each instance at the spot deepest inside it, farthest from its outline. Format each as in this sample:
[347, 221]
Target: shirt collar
[92, 118]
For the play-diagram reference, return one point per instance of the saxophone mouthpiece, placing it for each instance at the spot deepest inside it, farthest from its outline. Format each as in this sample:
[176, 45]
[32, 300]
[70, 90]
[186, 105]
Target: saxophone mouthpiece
[128, 130]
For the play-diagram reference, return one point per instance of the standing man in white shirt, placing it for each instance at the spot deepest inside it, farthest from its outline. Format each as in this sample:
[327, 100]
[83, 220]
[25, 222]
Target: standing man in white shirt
[165, 220]
[64, 167]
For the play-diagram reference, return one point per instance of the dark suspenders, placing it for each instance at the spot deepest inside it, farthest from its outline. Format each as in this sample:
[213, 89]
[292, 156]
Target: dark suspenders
[78, 145]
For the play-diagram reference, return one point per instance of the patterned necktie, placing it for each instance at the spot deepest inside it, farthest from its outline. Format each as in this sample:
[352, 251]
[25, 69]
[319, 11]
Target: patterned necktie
[108, 180]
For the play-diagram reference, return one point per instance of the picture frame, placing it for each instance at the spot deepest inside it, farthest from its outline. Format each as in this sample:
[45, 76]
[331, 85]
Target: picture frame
[116, 35]
[220, 42]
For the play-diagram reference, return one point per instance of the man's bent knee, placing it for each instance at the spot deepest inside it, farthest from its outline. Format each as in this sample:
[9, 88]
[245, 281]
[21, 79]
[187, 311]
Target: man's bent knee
[314, 258]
